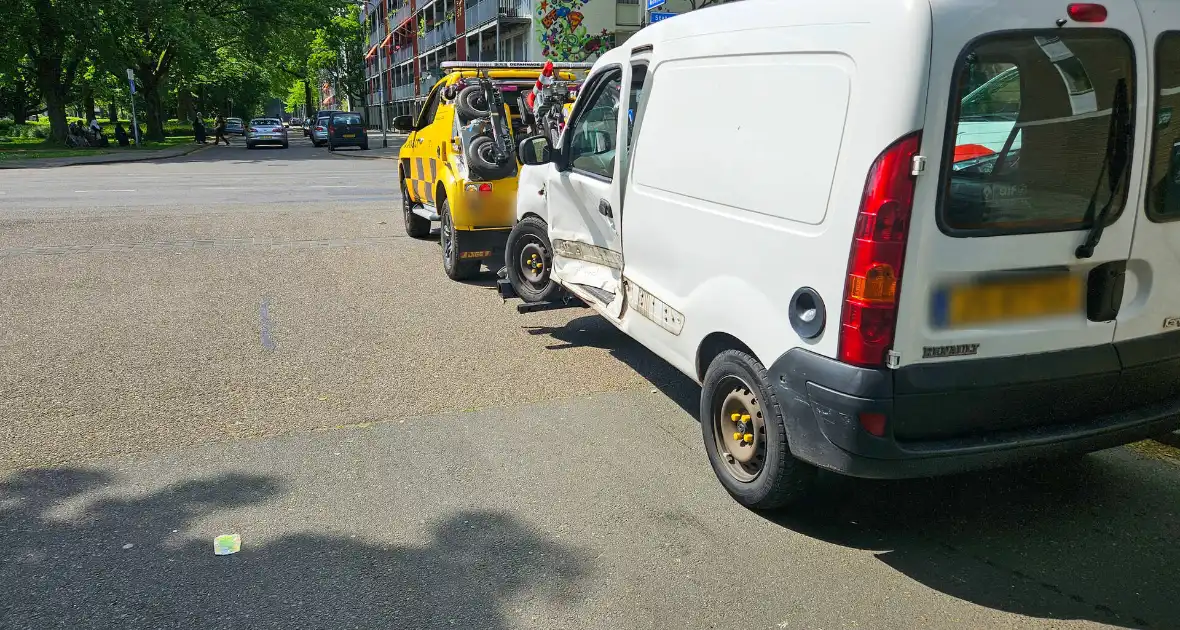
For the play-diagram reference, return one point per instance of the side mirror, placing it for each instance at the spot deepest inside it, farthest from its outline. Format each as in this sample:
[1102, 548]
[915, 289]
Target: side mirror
[403, 123]
[534, 151]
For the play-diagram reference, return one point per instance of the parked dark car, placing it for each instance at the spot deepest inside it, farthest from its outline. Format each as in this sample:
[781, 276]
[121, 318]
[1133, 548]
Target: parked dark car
[311, 121]
[347, 129]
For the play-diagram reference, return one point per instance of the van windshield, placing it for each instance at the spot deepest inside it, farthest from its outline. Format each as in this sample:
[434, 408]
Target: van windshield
[1163, 191]
[1031, 127]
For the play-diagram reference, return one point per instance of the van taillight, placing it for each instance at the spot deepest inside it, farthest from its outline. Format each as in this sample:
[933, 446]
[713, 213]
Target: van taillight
[869, 317]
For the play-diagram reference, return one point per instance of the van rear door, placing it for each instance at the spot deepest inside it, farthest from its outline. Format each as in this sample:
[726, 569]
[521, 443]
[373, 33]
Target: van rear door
[1148, 330]
[1027, 137]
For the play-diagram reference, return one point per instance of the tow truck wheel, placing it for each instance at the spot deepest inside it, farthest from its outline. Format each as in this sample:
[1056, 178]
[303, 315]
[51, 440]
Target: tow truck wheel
[455, 267]
[530, 260]
[416, 226]
[745, 435]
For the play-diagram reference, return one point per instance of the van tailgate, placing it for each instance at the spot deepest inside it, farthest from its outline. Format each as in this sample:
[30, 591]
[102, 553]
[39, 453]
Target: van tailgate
[994, 288]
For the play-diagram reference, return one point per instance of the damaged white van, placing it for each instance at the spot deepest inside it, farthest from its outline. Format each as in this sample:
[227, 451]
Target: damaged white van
[889, 238]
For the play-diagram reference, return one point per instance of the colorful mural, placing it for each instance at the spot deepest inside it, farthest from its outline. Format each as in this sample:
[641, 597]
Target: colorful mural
[562, 32]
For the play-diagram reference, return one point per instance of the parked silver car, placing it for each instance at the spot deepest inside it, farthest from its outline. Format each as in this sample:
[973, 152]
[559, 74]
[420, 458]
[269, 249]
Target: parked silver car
[319, 133]
[235, 126]
[266, 131]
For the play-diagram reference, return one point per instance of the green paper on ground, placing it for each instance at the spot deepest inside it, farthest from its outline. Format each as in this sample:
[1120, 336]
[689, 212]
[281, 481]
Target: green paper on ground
[226, 544]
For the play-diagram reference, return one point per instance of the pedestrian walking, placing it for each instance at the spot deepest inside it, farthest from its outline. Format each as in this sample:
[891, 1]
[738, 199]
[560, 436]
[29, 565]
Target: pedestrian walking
[219, 129]
[199, 129]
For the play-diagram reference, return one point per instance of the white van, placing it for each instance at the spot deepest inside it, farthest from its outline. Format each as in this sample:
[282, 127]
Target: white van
[889, 238]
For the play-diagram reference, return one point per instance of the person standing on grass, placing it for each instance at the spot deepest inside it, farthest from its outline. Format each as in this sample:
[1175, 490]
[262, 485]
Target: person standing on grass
[219, 129]
[121, 135]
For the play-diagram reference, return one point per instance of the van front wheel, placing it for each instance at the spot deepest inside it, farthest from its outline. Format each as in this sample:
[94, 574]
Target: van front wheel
[529, 260]
[745, 435]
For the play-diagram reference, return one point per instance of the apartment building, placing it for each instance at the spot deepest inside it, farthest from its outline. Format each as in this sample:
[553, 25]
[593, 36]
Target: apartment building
[409, 39]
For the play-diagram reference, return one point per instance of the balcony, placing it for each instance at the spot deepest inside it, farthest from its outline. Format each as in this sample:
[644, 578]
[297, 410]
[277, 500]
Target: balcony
[484, 11]
[403, 92]
[403, 55]
[440, 35]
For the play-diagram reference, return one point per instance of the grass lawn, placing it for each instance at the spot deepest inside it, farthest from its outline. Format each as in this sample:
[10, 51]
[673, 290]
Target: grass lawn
[30, 148]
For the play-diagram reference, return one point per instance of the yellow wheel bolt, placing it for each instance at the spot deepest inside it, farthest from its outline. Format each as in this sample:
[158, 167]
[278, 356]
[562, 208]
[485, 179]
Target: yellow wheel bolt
[737, 436]
[750, 438]
[736, 417]
[745, 417]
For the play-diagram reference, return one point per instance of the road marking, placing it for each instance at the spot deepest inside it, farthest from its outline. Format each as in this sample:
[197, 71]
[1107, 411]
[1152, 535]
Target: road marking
[264, 315]
[114, 190]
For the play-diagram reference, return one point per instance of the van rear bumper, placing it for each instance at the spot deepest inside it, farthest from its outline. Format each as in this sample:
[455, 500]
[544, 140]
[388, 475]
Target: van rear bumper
[953, 417]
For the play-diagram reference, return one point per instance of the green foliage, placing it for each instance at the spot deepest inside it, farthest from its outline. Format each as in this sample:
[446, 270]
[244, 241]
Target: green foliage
[338, 53]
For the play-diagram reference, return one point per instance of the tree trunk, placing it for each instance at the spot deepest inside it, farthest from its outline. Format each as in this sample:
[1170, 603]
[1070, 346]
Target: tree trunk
[49, 81]
[154, 107]
[184, 105]
[308, 98]
[113, 112]
[88, 103]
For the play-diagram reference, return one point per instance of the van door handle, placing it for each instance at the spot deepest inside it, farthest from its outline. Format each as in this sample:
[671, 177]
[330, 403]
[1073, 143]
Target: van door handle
[604, 209]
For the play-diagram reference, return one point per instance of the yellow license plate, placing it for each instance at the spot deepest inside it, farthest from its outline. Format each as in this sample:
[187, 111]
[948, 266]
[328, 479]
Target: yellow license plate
[350, 135]
[1007, 300]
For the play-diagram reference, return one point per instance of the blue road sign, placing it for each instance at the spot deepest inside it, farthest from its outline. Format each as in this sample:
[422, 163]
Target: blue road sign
[656, 17]
[654, 4]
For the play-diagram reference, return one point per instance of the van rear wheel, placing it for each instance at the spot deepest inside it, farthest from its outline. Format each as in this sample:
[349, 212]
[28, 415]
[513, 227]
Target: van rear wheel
[745, 435]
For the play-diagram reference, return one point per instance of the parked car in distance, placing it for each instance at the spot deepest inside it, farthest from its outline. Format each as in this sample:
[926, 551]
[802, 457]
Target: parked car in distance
[266, 131]
[347, 130]
[235, 126]
[319, 131]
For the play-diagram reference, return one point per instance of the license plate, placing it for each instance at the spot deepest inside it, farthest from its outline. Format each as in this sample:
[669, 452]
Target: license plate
[266, 136]
[350, 135]
[997, 301]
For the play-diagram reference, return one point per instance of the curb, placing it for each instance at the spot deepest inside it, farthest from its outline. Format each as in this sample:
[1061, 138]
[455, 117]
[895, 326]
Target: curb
[46, 162]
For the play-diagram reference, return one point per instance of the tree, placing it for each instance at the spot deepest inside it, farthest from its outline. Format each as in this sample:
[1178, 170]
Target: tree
[55, 37]
[19, 96]
[338, 51]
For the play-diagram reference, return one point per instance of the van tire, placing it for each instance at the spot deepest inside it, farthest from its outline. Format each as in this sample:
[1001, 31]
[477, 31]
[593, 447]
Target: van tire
[470, 103]
[782, 479]
[479, 157]
[416, 226]
[455, 267]
[531, 234]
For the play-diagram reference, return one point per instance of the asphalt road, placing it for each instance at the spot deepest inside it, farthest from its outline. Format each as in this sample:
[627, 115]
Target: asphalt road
[246, 342]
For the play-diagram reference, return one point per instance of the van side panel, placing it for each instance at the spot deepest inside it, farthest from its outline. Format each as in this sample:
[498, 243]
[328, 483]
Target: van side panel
[788, 110]
[753, 134]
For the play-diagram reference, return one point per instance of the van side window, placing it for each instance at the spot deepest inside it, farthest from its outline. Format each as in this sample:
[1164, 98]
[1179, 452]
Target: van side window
[1163, 176]
[595, 131]
[1031, 136]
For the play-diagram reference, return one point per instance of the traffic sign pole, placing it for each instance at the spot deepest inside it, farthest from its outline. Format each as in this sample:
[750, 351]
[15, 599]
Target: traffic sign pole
[134, 117]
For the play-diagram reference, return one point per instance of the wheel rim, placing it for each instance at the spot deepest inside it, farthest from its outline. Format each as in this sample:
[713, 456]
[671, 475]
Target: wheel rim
[534, 262]
[407, 209]
[445, 238]
[739, 430]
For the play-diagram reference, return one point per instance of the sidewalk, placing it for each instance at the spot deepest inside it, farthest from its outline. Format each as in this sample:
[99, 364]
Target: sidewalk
[117, 156]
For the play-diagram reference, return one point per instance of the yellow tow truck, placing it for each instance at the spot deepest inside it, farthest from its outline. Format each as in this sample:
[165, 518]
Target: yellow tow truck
[459, 166]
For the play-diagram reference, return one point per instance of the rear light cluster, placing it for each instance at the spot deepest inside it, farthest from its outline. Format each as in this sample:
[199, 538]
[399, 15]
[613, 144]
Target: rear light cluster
[869, 317]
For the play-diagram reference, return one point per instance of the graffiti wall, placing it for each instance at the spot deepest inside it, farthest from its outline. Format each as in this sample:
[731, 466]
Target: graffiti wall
[573, 30]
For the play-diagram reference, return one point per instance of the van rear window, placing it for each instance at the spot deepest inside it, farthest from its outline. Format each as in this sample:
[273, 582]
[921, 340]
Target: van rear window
[1163, 190]
[1031, 135]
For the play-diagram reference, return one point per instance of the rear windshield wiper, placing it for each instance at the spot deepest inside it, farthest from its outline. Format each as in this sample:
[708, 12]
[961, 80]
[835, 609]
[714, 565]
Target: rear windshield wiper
[1118, 151]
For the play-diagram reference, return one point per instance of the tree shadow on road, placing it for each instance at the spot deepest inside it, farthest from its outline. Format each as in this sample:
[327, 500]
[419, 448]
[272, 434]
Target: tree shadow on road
[62, 572]
[595, 332]
[1090, 538]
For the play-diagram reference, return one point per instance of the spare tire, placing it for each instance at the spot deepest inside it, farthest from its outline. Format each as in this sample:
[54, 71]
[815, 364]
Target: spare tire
[470, 103]
[481, 157]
